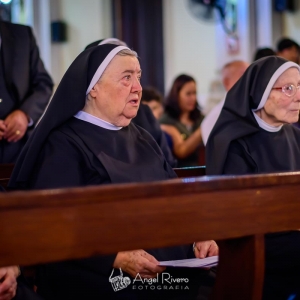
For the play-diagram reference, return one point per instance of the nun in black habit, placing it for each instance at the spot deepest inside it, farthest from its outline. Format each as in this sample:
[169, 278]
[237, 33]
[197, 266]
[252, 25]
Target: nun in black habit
[252, 135]
[86, 138]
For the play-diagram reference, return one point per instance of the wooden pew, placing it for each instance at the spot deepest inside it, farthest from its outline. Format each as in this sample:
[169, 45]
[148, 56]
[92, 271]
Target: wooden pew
[45, 226]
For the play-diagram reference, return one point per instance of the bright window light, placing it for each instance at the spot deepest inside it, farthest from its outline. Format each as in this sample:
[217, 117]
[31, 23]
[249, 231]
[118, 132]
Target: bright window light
[5, 1]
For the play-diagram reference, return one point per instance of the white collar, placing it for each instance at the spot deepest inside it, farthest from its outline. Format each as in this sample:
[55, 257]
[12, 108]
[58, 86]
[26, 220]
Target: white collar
[262, 124]
[84, 116]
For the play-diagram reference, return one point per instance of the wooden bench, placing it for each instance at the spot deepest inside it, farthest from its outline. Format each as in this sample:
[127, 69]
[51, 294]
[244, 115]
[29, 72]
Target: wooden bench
[45, 226]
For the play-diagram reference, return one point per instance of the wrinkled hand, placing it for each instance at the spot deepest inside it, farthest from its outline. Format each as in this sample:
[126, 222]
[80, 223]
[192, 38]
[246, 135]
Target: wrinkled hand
[2, 129]
[138, 261]
[8, 282]
[16, 126]
[206, 248]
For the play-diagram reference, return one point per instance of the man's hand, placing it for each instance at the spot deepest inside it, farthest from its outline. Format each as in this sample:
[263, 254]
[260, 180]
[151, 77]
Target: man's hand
[138, 261]
[8, 282]
[16, 126]
[206, 248]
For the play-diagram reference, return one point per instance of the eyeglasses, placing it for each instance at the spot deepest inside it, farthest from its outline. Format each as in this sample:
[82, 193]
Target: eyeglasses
[288, 89]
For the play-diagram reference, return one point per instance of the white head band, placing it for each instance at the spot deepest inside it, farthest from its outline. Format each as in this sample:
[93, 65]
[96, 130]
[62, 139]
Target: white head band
[103, 66]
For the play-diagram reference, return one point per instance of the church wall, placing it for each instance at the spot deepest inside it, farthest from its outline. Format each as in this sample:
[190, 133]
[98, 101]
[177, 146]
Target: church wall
[291, 24]
[86, 21]
[192, 46]
[189, 46]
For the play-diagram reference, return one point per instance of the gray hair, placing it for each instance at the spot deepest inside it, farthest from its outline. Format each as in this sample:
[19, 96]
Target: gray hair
[127, 52]
[113, 41]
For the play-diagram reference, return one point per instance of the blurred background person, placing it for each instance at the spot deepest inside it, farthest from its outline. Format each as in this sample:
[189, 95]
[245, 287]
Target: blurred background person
[153, 98]
[216, 93]
[182, 119]
[288, 49]
[25, 88]
[231, 73]
[263, 52]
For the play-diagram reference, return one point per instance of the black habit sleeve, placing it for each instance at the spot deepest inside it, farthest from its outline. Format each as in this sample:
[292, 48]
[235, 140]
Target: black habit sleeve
[239, 161]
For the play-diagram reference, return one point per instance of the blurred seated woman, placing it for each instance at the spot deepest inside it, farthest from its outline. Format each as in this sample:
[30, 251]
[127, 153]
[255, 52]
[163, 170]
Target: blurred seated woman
[153, 98]
[86, 138]
[182, 119]
[253, 134]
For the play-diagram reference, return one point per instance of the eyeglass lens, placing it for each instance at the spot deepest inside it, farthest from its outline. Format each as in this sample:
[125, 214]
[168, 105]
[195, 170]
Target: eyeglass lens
[290, 89]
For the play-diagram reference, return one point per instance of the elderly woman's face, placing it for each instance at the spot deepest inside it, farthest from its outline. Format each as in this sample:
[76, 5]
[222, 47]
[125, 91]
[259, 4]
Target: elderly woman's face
[117, 95]
[280, 108]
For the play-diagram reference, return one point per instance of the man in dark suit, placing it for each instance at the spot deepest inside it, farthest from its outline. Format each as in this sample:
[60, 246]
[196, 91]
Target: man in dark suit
[25, 88]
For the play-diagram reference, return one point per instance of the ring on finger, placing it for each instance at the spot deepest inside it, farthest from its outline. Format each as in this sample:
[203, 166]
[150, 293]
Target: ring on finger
[194, 246]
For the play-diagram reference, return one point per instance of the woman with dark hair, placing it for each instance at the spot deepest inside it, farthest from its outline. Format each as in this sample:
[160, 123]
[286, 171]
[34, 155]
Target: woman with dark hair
[182, 120]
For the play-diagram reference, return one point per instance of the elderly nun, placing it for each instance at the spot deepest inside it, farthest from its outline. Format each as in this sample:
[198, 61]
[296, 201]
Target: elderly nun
[253, 134]
[86, 138]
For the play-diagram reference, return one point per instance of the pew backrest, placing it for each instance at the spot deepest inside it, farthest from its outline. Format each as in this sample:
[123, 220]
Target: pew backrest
[53, 225]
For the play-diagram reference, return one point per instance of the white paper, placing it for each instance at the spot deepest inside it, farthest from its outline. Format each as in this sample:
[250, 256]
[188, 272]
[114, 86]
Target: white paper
[207, 262]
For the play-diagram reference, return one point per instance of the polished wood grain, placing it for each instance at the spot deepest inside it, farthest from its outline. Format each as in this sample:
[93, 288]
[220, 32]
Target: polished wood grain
[53, 225]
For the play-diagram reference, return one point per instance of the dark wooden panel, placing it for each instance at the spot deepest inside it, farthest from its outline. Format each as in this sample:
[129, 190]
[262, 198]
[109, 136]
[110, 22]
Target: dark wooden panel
[4, 182]
[6, 170]
[190, 171]
[247, 254]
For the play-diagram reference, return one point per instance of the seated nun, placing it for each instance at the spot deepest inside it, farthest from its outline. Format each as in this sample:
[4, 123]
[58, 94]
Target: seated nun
[86, 138]
[253, 135]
